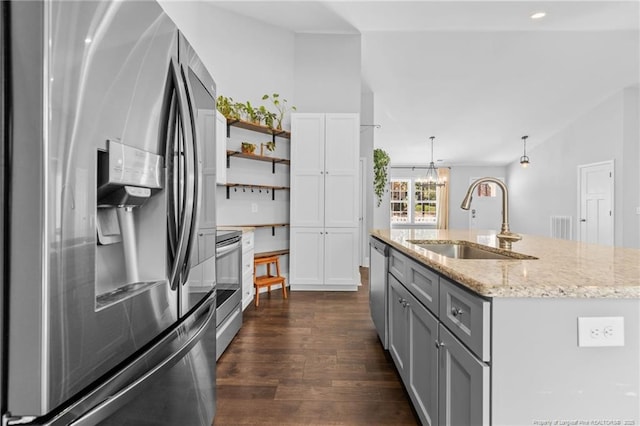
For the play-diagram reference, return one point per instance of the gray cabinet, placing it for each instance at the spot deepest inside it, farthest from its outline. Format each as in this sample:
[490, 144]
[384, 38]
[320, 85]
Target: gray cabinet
[398, 320]
[422, 376]
[413, 332]
[439, 340]
[463, 384]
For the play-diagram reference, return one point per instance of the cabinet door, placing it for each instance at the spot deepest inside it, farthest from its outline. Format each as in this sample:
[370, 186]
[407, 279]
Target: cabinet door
[341, 256]
[247, 269]
[463, 384]
[342, 150]
[306, 256]
[307, 170]
[221, 148]
[398, 324]
[423, 362]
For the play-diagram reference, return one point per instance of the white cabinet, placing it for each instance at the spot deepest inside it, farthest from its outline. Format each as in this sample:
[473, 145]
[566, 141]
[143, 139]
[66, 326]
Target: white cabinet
[221, 148]
[306, 256]
[248, 252]
[324, 201]
[323, 258]
[307, 170]
[342, 152]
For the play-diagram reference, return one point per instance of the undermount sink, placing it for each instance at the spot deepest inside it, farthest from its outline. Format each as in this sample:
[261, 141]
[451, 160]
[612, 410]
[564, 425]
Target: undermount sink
[467, 250]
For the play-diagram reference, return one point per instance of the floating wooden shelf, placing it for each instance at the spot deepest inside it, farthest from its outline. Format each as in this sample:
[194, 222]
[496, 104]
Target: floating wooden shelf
[265, 158]
[257, 128]
[271, 253]
[273, 226]
[253, 187]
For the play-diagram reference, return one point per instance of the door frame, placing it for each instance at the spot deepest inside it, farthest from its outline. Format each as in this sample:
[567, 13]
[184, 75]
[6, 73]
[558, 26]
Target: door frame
[362, 225]
[612, 190]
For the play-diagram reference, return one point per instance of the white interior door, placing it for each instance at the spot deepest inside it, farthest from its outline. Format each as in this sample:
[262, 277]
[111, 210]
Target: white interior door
[596, 203]
[486, 207]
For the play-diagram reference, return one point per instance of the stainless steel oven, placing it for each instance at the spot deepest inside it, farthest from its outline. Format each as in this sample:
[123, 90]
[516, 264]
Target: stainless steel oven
[228, 288]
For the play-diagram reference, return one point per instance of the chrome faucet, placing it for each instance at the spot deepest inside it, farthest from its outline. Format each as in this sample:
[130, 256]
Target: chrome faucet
[505, 237]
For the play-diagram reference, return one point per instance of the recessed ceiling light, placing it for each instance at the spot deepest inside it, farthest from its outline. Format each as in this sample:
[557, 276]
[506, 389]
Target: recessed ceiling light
[87, 40]
[538, 15]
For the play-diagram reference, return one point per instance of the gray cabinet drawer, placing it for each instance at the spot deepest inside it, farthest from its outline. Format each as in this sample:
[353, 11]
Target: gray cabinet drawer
[423, 284]
[398, 265]
[467, 316]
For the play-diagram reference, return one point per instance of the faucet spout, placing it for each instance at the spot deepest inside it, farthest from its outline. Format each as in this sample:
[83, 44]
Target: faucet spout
[505, 237]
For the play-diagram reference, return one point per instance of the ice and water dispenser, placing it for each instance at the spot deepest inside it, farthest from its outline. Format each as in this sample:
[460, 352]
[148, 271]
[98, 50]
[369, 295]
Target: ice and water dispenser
[131, 217]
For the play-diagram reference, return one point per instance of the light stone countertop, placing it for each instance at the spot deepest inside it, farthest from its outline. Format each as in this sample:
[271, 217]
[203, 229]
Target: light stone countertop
[563, 268]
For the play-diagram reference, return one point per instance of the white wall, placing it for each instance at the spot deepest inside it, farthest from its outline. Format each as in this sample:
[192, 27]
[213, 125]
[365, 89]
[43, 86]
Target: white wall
[247, 58]
[327, 73]
[367, 135]
[549, 186]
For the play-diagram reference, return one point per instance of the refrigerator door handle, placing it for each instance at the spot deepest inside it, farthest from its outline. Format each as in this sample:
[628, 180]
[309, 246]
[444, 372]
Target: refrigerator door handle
[194, 171]
[119, 399]
[188, 182]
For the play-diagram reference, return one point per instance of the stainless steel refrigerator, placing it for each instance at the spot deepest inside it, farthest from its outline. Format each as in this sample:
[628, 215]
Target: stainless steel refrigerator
[107, 192]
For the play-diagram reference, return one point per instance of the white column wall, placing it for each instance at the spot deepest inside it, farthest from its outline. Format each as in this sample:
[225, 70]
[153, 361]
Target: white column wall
[549, 186]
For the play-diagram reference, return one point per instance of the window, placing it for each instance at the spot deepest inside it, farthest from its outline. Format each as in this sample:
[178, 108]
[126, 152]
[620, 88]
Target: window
[400, 200]
[413, 202]
[425, 202]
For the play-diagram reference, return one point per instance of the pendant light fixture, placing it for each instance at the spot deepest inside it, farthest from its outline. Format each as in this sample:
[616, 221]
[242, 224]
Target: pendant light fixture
[432, 170]
[524, 160]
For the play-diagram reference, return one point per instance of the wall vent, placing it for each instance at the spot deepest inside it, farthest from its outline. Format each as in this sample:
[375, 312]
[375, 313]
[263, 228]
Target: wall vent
[561, 227]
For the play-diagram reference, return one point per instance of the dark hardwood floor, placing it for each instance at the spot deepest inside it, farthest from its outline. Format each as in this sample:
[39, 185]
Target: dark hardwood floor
[313, 359]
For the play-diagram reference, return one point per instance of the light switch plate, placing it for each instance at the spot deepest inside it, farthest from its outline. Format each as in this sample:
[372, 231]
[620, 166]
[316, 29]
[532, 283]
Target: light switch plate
[600, 331]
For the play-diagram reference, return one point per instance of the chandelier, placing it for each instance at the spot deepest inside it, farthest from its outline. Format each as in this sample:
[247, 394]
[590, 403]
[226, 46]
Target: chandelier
[432, 170]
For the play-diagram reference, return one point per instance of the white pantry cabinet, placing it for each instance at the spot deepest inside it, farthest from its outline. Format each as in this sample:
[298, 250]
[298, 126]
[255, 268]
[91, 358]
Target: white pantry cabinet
[221, 148]
[324, 201]
[324, 258]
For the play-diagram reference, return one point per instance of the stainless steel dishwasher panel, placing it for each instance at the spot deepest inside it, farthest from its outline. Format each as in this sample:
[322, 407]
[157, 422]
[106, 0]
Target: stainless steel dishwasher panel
[378, 293]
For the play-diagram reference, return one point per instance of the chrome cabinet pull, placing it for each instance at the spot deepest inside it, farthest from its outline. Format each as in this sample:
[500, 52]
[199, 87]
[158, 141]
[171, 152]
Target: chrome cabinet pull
[456, 312]
[439, 344]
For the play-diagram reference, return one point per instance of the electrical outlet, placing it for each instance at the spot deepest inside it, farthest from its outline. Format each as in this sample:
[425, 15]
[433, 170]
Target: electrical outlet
[254, 207]
[600, 331]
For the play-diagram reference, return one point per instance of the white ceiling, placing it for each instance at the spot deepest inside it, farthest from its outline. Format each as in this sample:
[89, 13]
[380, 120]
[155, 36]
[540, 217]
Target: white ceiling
[477, 75]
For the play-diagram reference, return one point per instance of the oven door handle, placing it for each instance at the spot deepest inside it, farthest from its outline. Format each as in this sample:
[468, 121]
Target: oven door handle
[222, 250]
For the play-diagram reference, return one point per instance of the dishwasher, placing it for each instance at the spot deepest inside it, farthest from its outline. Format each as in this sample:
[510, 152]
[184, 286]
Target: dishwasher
[378, 294]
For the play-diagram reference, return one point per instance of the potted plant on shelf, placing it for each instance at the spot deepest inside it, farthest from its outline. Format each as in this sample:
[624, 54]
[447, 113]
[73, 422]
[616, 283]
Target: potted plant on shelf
[247, 147]
[253, 114]
[281, 106]
[271, 146]
[267, 116]
[227, 107]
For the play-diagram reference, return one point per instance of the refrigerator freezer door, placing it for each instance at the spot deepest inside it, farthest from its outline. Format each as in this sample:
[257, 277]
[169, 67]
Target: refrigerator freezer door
[201, 92]
[86, 72]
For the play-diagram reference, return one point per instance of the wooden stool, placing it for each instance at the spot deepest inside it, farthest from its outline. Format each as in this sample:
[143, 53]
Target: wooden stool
[267, 280]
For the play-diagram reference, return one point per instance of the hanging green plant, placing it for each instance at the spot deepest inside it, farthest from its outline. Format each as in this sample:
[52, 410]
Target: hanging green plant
[380, 163]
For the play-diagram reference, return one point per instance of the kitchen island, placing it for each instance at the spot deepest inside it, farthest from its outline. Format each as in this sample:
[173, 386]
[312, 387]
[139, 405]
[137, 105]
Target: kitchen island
[549, 337]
